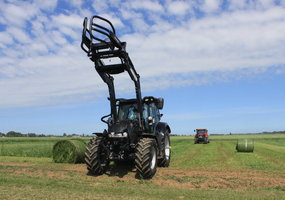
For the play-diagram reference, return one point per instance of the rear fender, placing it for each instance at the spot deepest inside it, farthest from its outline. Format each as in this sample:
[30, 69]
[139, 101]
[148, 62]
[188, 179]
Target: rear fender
[161, 129]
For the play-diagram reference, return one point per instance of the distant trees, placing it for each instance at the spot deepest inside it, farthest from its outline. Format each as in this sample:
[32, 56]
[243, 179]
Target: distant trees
[31, 135]
[14, 134]
[273, 132]
[18, 134]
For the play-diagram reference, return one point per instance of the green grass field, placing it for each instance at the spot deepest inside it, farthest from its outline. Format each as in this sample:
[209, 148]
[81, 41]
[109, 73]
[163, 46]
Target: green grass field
[197, 171]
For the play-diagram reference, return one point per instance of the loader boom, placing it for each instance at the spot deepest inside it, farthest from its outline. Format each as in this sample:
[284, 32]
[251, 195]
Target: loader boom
[99, 49]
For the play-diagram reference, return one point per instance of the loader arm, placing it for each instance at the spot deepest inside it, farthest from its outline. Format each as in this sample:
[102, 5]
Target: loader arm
[100, 43]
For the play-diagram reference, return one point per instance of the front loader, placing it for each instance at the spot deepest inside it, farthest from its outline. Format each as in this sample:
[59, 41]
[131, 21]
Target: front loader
[134, 130]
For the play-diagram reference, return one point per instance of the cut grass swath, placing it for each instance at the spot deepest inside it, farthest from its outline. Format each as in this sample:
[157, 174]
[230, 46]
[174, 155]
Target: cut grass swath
[69, 151]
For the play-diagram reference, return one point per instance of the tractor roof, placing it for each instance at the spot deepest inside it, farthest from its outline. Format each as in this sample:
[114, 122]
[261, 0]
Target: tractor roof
[147, 100]
[129, 101]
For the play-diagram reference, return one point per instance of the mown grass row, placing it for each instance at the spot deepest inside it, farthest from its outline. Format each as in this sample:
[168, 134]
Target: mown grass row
[269, 154]
[84, 188]
[221, 155]
[39, 178]
[27, 150]
[28, 147]
[52, 181]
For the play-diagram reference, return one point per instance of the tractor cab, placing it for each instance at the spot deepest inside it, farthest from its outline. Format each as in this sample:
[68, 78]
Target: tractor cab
[201, 136]
[128, 110]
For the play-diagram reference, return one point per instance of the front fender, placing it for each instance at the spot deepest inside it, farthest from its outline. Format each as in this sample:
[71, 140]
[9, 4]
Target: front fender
[162, 127]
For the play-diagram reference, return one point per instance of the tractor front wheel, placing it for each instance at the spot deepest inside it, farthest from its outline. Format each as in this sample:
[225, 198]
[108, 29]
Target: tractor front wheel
[146, 158]
[96, 156]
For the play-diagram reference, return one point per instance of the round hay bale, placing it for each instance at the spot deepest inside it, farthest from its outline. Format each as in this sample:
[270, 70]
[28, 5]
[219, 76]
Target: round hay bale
[69, 151]
[245, 145]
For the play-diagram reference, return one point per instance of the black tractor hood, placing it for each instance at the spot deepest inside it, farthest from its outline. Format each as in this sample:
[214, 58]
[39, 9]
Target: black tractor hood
[120, 127]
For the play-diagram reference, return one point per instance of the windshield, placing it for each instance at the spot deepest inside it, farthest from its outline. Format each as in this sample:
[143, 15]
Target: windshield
[127, 111]
[201, 131]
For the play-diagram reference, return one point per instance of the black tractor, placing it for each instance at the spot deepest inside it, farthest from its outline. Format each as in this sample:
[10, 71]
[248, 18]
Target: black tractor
[135, 132]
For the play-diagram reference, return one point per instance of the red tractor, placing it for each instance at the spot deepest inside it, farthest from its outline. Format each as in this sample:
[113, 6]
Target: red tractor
[201, 136]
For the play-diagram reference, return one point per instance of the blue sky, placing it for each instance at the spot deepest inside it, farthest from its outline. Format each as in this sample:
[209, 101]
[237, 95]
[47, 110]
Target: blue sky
[219, 64]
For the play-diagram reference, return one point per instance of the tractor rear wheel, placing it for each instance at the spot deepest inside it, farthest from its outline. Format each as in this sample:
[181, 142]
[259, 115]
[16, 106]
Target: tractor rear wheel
[206, 141]
[166, 152]
[146, 158]
[96, 156]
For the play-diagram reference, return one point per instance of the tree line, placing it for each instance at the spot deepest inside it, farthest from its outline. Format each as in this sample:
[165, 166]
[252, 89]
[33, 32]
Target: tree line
[19, 134]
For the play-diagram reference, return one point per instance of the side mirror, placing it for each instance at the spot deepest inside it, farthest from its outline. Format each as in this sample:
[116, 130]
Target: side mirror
[194, 130]
[160, 103]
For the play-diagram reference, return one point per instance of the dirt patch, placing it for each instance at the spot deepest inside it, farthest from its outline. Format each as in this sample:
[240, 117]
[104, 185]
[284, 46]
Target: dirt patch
[217, 179]
[192, 179]
[76, 168]
[24, 164]
[32, 172]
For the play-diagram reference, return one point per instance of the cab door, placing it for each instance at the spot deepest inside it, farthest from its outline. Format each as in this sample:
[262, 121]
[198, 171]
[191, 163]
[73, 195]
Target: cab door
[154, 113]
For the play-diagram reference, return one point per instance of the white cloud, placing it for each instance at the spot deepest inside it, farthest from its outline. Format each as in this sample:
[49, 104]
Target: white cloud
[58, 38]
[47, 80]
[178, 7]
[74, 21]
[148, 5]
[211, 5]
[247, 5]
[220, 43]
[5, 38]
[69, 32]
[48, 5]
[75, 3]
[18, 13]
[38, 48]
[266, 3]
[19, 35]
[115, 3]
[238, 4]
[117, 23]
[47, 66]
[100, 6]
[140, 25]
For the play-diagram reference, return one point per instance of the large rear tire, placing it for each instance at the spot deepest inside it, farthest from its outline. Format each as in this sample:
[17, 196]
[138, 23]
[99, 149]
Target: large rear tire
[146, 158]
[166, 151]
[96, 156]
